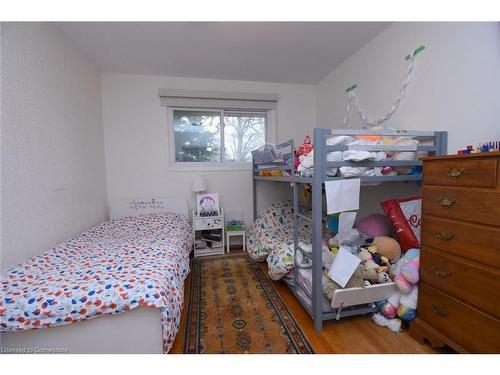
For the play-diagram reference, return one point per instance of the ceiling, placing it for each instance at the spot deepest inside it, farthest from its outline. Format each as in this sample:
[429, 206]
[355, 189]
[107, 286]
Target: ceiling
[287, 52]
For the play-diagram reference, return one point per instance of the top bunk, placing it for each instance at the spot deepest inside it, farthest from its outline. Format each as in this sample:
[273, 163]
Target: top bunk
[373, 156]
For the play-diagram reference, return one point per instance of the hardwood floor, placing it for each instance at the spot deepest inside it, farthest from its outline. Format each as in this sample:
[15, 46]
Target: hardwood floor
[347, 336]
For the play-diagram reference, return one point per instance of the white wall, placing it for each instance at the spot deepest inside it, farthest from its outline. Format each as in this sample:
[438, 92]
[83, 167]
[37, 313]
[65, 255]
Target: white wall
[455, 87]
[136, 137]
[53, 174]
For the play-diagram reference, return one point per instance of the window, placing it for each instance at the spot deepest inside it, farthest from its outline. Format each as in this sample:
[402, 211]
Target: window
[217, 135]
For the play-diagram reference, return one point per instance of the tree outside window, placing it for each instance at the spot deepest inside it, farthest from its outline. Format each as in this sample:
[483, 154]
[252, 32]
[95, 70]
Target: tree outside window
[198, 135]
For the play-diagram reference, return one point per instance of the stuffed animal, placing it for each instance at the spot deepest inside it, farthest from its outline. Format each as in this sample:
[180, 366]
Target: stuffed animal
[403, 304]
[304, 148]
[382, 261]
[407, 271]
[357, 280]
[393, 324]
[389, 308]
[370, 267]
[383, 277]
[407, 309]
[388, 247]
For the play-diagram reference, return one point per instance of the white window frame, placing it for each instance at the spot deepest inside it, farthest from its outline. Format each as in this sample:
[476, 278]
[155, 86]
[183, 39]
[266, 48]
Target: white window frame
[270, 137]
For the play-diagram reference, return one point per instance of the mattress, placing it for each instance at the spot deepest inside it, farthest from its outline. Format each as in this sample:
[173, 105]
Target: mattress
[305, 280]
[114, 267]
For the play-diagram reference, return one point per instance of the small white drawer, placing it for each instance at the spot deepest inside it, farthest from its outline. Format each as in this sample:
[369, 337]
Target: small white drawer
[202, 223]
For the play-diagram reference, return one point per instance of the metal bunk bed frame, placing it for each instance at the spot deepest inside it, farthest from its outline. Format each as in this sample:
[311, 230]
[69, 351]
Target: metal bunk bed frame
[316, 181]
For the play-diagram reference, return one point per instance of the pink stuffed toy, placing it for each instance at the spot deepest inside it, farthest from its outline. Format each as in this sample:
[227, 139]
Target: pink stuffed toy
[410, 271]
[407, 275]
[304, 148]
[403, 285]
[388, 310]
[403, 304]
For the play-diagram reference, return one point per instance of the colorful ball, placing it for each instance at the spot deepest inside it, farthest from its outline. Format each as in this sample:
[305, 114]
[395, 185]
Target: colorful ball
[375, 225]
[403, 285]
[388, 311]
[405, 313]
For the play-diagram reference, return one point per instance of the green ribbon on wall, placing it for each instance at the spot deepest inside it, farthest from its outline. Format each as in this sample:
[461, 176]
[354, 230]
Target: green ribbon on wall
[407, 57]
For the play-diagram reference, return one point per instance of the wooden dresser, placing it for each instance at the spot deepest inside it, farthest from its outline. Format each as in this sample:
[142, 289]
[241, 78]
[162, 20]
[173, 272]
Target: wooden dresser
[459, 293]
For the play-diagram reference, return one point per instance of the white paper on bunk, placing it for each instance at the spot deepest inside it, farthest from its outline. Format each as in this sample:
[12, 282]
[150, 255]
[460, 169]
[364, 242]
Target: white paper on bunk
[342, 195]
[343, 267]
[346, 222]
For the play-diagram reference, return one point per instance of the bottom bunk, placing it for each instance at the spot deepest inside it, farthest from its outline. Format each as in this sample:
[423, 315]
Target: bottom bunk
[375, 286]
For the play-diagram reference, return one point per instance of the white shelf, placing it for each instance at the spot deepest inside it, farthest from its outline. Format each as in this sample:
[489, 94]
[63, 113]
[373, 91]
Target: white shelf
[212, 223]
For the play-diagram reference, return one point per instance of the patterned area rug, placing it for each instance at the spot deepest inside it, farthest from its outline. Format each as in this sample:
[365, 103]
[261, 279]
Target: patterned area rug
[233, 308]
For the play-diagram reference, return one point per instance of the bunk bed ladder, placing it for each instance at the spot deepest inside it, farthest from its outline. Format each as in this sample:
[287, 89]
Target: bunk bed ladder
[317, 226]
[295, 188]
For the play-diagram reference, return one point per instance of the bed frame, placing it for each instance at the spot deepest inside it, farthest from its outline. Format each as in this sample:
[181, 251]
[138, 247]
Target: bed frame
[135, 331]
[352, 301]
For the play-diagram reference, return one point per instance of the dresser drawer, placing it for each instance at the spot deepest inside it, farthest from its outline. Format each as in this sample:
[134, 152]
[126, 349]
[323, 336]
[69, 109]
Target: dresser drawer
[472, 283]
[466, 173]
[463, 324]
[481, 206]
[471, 241]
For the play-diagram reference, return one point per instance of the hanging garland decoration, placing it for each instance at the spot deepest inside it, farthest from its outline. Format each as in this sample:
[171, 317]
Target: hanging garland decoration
[352, 97]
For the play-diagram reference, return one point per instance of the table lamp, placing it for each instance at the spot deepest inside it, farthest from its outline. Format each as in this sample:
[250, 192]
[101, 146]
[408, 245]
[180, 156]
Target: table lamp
[199, 186]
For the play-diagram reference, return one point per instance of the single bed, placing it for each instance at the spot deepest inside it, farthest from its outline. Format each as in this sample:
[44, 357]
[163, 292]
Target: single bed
[128, 272]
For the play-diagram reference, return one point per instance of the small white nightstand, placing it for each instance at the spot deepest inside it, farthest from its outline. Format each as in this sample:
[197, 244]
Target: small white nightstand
[208, 223]
[231, 233]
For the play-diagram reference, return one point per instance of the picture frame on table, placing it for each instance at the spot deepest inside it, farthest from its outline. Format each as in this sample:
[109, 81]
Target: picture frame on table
[207, 204]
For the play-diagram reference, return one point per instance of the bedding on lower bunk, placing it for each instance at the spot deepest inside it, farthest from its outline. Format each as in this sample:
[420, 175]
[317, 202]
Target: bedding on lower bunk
[271, 237]
[116, 266]
[305, 280]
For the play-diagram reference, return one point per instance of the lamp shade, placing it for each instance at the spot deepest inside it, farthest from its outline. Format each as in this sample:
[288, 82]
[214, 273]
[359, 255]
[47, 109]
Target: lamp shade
[199, 184]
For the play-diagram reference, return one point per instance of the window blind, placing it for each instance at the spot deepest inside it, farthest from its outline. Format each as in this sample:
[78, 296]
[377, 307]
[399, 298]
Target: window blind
[217, 99]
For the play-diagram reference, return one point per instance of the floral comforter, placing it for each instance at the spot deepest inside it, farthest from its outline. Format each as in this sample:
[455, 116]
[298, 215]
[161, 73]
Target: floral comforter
[271, 237]
[116, 266]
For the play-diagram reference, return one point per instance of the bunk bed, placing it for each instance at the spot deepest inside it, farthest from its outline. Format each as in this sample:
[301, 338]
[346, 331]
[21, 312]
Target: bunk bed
[345, 302]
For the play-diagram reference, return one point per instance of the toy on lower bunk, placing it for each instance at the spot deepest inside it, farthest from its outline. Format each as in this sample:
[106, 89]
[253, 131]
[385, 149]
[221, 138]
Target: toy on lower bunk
[377, 256]
[375, 225]
[403, 304]
[405, 215]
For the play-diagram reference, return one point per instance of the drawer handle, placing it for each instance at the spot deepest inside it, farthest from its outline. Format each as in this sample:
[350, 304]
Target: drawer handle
[439, 310]
[455, 172]
[445, 236]
[441, 274]
[445, 202]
